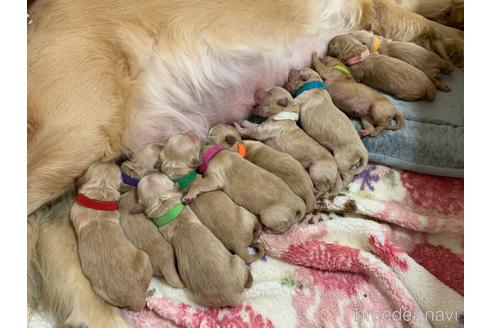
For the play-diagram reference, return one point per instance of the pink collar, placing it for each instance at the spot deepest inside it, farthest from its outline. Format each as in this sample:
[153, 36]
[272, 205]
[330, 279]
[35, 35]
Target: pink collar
[207, 156]
[358, 59]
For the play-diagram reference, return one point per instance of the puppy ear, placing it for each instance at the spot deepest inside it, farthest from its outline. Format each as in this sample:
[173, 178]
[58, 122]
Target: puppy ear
[138, 208]
[304, 76]
[80, 181]
[231, 140]
[283, 102]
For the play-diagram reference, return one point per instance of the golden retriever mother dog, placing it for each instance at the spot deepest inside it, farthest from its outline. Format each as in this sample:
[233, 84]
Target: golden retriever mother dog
[107, 76]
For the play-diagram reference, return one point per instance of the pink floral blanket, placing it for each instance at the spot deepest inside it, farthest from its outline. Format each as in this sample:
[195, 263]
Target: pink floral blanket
[386, 252]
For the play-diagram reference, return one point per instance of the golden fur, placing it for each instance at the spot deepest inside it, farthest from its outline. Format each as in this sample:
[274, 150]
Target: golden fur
[326, 124]
[447, 12]
[411, 53]
[233, 225]
[268, 196]
[286, 136]
[374, 109]
[382, 72]
[212, 275]
[281, 164]
[117, 270]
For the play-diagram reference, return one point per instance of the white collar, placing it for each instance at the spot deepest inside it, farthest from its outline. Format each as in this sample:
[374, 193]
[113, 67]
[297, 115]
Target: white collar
[283, 116]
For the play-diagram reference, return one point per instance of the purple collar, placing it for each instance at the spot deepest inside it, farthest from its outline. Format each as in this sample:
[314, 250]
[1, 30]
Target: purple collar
[129, 180]
[207, 156]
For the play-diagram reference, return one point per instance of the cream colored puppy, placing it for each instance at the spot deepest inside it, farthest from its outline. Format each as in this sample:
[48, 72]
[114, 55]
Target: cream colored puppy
[137, 228]
[325, 123]
[281, 132]
[381, 72]
[419, 57]
[213, 276]
[117, 270]
[281, 164]
[233, 225]
[375, 110]
[248, 185]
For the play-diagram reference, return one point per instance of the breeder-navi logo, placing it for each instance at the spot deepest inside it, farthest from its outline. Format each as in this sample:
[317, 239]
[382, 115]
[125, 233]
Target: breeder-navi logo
[399, 315]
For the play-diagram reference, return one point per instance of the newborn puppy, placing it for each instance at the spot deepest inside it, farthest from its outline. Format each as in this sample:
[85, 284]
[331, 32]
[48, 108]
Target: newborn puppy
[249, 186]
[137, 228]
[381, 72]
[233, 225]
[281, 132]
[212, 275]
[326, 123]
[374, 109]
[117, 270]
[281, 164]
[426, 61]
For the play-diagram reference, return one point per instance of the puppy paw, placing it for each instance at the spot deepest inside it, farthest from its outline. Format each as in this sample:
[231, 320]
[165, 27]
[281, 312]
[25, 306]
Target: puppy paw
[364, 133]
[239, 128]
[189, 197]
[249, 125]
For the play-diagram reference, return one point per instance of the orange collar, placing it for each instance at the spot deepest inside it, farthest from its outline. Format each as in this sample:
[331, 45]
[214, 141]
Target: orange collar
[241, 149]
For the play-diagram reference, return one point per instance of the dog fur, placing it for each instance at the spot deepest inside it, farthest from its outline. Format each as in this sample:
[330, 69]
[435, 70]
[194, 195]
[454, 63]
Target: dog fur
[233, 225]
[411, 53]
[383, 72]
[447, 12]
[269, 197]
[117, 270]
[286, 136]
[374, 109]
[281, 164]
[212, 275]
[326, 124]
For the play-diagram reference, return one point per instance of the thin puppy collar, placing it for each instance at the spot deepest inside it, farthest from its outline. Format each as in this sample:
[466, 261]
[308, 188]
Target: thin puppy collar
[286, 116]
[186, 180]
[343, 69]
[376, 44]
[95, 204]
[170, 215]
[309, 86]
[358, 59]
[241, 149]
[129, 180]
[207, 156]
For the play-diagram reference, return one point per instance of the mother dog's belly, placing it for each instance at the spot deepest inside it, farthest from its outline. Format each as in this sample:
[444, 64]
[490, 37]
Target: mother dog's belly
[195, 84]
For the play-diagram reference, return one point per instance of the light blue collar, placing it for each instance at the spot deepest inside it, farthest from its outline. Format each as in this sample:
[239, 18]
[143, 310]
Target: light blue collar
[310, 86]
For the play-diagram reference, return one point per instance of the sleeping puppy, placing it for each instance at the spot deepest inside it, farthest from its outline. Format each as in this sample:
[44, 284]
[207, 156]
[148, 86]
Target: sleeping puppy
[137, 228]
[281, 164]
[233, 225]
[411, 53]
[117, 270]
[381, 72]
[327, 124]
[249, 186]
[374, 109]
[212, 275]
[447, 12]
[281, 132]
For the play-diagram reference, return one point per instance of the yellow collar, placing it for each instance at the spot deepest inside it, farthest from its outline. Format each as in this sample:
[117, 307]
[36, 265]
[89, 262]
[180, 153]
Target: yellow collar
[376, 44]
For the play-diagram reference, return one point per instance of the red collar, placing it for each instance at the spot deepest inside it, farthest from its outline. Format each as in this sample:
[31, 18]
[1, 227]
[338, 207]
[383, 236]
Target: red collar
[101, 205]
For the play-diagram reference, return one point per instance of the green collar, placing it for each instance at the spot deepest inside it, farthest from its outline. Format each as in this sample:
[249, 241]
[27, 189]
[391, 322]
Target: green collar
[186, 180]
[343, 69]
[170, 215]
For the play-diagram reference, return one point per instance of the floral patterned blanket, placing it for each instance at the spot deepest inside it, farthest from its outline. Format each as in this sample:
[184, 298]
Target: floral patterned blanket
[387, 252]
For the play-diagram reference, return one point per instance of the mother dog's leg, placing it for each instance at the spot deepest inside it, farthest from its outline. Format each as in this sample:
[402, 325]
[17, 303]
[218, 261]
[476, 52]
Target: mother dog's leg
[77, 110]
[65, 291]
[387, 18]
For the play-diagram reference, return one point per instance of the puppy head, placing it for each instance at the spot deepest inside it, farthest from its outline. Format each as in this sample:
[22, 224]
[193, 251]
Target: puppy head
[345, 46]
[224, 135]
[274, 100]
[364, 37]
[180, 155]
[142, 161]
[298, 78]
[101, 175]
[153, 191]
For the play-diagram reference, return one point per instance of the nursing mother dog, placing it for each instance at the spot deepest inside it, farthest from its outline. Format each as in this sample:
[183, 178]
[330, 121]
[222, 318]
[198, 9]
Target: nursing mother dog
[108, 76]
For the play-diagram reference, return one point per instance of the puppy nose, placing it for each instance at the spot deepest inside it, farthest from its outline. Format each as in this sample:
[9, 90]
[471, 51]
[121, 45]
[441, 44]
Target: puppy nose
[259, 95]
[192, 135]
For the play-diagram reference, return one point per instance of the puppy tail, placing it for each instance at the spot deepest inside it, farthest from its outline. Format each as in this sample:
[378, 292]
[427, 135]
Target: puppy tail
[399, 118]
[248, 258]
